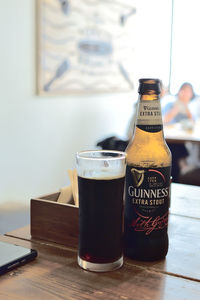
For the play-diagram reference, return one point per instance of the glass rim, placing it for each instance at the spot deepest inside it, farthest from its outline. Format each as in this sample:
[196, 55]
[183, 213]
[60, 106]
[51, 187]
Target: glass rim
[122, 155]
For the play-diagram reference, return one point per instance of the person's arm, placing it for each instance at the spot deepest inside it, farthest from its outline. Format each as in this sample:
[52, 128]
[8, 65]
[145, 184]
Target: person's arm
[179, 107]
[188, 112]
[171, 114]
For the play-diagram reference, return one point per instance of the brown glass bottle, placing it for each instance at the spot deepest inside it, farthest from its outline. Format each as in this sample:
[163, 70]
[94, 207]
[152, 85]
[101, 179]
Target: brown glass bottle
[147, 180]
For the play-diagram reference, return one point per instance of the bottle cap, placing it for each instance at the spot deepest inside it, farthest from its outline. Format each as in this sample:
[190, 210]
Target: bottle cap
[149, 86]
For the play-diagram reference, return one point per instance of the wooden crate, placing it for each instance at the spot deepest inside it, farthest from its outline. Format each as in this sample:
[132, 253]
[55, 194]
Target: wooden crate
[53, 221]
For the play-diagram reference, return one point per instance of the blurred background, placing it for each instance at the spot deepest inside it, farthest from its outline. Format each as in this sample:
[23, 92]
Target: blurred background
[40, 133]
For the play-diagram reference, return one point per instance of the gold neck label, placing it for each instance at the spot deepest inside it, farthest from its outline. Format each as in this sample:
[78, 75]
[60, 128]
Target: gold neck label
[149, 116]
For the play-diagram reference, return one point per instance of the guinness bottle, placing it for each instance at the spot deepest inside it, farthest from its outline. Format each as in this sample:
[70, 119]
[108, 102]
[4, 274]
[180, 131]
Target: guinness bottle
[147, 180]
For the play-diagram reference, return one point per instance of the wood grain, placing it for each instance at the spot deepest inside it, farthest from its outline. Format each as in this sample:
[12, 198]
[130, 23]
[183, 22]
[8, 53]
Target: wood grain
[54, 221]
[56, 275]
[183, 258]
[185, 200]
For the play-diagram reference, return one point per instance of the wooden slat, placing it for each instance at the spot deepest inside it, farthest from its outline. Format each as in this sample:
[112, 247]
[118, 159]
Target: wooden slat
[20, 233]
[185, 200]
[56, 275]
[183, 258]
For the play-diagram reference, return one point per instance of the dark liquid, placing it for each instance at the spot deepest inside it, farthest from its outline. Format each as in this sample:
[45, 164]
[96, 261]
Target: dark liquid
[100, 219]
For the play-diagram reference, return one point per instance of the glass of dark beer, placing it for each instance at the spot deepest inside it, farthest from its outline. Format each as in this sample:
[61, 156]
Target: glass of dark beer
[101, 187]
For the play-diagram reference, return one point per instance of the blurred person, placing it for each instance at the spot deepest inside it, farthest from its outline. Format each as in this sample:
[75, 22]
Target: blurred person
[194, 148]
[179, 110]
[195, 109]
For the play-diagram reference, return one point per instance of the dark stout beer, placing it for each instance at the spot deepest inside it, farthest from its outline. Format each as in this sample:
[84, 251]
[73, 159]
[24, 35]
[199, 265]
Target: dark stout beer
[100, 203]
[147, 180]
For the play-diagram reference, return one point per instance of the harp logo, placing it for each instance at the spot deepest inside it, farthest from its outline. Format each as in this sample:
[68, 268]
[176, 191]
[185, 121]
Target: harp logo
[138, 176]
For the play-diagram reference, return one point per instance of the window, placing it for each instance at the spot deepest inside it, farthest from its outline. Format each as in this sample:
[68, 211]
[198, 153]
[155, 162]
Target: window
[168, 44]
[185, 56]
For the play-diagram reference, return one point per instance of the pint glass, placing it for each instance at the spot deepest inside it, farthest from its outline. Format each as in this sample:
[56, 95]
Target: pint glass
[101, 187]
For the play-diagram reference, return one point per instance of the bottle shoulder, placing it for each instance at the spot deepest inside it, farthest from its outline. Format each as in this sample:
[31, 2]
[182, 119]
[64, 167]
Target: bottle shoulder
[151, 152]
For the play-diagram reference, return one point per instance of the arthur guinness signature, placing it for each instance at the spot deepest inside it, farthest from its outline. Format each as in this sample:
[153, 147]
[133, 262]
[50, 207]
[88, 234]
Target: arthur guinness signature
[149, 224]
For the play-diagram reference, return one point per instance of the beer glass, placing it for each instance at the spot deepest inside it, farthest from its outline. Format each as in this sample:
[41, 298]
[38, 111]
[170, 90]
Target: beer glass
[101, 186]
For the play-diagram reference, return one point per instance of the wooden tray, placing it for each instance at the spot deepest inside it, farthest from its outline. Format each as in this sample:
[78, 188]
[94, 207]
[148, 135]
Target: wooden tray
[53, 221]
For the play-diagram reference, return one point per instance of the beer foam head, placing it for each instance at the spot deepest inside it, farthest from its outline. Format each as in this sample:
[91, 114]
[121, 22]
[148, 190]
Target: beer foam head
[101, 174]
[101, 164]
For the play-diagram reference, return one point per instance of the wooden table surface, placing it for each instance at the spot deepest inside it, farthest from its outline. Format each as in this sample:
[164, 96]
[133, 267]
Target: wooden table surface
[56, 275]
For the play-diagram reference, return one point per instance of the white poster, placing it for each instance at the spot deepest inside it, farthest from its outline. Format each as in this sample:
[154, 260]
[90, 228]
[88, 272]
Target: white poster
[85, 46]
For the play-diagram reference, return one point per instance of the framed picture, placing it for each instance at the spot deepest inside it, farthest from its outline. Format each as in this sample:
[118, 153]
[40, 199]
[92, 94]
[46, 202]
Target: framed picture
[85, 46]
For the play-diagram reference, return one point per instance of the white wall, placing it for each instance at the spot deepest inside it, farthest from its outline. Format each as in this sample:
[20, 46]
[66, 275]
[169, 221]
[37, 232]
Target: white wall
[40, 135]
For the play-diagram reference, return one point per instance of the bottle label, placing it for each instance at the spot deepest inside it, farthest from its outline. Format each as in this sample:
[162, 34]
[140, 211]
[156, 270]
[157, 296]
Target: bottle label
[149, 116]
[147, 199]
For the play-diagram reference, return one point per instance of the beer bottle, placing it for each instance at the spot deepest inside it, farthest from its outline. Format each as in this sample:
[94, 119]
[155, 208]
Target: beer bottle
[147, 180]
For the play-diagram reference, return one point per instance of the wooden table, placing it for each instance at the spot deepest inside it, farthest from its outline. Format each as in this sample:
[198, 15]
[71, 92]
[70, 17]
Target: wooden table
[56, 275]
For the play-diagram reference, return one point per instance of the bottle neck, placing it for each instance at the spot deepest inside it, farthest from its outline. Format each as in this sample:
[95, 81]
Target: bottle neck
[149, 97]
